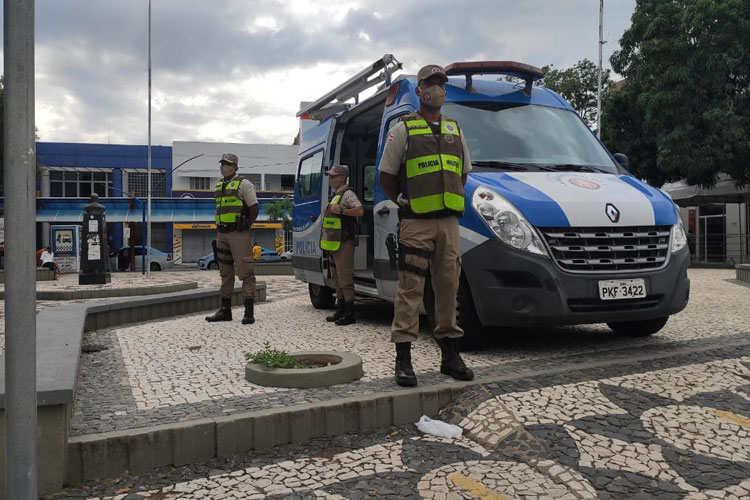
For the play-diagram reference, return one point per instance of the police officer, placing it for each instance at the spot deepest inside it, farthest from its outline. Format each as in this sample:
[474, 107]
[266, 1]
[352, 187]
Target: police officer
[236, 210]
[423, 170]
[337, 238]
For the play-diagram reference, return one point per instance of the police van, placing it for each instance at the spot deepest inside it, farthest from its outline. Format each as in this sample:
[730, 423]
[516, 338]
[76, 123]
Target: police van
[556, 231]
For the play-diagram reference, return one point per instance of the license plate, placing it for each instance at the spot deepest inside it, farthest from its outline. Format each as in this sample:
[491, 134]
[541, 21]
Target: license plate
[622, 289]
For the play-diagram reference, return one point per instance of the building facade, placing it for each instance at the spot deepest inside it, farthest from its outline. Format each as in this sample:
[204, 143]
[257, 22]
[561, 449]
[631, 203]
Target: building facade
[183, 177]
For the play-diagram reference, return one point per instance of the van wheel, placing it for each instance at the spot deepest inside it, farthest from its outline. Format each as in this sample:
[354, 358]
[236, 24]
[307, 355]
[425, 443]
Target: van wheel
[642, 328]
[466, 314]
[321, 296]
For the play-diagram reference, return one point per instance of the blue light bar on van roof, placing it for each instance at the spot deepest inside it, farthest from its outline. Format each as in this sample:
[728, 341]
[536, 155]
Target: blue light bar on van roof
[520, 70]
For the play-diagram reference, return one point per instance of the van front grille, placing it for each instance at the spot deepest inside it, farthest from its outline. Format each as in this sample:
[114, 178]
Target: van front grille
[582, 249]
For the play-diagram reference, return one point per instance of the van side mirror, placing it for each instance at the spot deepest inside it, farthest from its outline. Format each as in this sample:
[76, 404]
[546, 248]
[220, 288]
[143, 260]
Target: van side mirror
[622, 160]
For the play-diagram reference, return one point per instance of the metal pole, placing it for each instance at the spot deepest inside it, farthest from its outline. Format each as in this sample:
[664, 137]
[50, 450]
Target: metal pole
[148, 224]
[19, 159]
[599, 89]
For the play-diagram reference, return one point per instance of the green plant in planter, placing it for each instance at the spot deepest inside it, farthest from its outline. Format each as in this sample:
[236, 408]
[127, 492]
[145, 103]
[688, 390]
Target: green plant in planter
[273, 358]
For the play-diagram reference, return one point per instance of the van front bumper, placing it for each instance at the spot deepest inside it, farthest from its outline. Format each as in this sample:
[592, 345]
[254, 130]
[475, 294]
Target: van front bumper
[515, 288]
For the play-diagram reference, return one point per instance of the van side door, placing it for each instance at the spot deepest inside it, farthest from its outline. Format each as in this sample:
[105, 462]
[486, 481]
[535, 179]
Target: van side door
[306, 219]
[385, 215]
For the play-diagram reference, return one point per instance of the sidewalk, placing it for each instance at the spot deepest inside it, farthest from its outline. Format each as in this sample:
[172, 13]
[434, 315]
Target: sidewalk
[184, 369]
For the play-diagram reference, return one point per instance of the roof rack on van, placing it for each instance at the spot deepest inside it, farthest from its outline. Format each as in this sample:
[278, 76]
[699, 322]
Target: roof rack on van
[524, 71]
[352, 88]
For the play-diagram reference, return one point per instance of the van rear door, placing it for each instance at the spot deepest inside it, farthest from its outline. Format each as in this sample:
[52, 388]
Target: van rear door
[310, 197]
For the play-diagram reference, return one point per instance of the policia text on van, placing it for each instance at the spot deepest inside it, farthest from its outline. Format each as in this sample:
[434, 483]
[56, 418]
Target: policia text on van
[552, 223]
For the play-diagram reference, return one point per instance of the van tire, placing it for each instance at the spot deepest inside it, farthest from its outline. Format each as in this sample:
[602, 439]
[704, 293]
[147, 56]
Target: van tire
[466, 314]
[468, 319]
[321, 296]
[642, 328]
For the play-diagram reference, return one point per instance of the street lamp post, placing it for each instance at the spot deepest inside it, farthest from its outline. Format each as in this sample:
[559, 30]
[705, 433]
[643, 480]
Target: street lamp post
[599, 88]
[19, 158]
[148, 225]
[143, 225]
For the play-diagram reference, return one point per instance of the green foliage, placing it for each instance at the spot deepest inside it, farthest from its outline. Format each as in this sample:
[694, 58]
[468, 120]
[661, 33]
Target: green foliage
[273, 358]
[579, 86]
[280, 208]
[684, 109]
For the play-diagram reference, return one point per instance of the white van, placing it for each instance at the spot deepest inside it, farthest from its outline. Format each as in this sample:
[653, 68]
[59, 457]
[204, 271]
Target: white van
[555, 230]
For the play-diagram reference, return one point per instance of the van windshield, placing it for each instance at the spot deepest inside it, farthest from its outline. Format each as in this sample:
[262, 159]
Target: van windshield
[528, 137]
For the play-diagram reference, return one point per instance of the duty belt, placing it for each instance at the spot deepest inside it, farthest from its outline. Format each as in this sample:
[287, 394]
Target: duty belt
[228, 228]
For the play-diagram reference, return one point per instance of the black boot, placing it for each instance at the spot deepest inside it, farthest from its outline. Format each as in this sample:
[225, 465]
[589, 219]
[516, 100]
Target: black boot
[404, 372]
[348, 317]
[249, 317]
[339, 312]
[450, 362]
[224, 313]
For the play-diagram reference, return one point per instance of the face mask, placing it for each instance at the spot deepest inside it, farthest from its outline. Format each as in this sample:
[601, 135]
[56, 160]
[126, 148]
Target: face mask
[434, 96]
[227, 170]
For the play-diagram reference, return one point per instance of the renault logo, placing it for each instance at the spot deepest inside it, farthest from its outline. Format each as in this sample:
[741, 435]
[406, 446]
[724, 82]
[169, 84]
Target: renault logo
[612, 212]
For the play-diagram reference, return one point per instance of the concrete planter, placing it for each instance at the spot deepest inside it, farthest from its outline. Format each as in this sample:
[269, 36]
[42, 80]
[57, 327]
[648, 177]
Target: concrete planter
[344, 367]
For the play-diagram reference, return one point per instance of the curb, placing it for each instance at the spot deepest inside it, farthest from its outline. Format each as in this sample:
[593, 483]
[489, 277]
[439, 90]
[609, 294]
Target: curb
[115, 292]
[96, 456]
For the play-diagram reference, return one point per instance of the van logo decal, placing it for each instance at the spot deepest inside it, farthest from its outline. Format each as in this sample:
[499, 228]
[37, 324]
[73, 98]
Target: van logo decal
[584, 183]
[612, 212]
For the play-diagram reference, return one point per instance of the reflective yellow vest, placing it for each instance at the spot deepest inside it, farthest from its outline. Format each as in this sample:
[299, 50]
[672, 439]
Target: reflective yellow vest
[433, 167]
[229, 205]
[336, 228]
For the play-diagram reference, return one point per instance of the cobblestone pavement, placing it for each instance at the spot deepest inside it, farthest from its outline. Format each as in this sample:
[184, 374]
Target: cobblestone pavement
[185, 368]
[675, 428]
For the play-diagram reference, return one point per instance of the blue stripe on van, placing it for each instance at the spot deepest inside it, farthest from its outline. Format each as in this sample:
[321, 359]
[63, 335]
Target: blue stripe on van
[664, 212]
[538, 208]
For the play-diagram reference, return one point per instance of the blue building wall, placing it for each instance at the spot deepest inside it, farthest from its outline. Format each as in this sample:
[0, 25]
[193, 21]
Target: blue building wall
[114, 156]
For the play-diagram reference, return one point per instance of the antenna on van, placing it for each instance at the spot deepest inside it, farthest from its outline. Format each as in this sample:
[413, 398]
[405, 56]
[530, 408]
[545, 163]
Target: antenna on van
[351, 88]
[526, 72]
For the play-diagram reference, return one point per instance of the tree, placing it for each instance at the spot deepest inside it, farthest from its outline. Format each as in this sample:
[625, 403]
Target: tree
[578, 85]
[280, 208]
[684, 109]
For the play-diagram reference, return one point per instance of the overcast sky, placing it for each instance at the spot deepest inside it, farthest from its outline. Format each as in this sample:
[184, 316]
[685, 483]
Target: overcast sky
[236, 70]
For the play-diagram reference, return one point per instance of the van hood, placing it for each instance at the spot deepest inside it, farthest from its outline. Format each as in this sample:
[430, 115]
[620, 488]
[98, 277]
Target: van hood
[579, 199]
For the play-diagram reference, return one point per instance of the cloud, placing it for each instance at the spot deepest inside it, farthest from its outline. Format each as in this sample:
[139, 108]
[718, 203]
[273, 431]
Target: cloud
[236, 70]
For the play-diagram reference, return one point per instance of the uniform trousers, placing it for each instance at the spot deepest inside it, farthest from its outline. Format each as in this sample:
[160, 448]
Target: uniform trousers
[342, 271]
[233, 249]
[439, 236]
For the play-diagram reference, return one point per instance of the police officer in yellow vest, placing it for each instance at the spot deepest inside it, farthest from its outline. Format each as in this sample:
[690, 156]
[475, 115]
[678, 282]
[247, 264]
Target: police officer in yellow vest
[423, 170]
[337, 238]
[236, 210]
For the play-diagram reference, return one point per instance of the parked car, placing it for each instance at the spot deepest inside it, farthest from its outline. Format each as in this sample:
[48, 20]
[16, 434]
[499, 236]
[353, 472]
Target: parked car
[267, 255]
[119, 260]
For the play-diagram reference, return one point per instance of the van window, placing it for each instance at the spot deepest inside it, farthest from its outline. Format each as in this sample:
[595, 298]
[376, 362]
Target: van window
[310, 175]
[369, 183]
[528, 134]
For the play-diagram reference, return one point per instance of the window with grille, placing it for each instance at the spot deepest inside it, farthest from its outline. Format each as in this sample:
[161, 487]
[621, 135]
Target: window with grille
[288, 241]
[80, 184]
[138, 184]
[201, 183]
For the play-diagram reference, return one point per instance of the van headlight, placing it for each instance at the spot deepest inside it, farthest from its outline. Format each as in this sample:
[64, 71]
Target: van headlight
[679, 238]
[503, 219]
